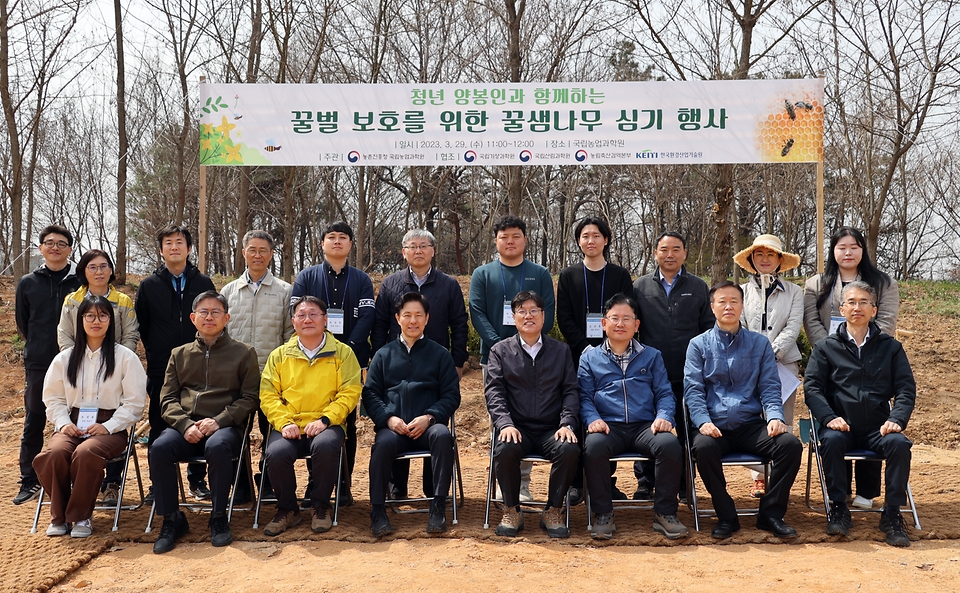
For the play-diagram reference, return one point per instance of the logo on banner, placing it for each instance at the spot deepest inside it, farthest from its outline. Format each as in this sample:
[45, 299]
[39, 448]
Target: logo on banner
[354, 156]
[469, 156]
[525, 156]
[581, 155]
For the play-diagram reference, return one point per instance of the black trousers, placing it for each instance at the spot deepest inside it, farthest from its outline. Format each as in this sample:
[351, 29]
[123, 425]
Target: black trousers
[196, 472]
[646, 471]
[324, 452]
[895, 447]
[506, 464]
[784, 450]
[388, 444]
[34, 421]
[219, 449]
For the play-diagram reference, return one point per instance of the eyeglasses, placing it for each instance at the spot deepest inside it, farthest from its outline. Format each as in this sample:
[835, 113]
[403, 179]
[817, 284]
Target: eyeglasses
[313, 315]
[95, 268]
[528, 312]
[93, 317]
[618, 320]
[260, 252]
[423, 247]
[58, 244]
[204, 313]
[858, 304]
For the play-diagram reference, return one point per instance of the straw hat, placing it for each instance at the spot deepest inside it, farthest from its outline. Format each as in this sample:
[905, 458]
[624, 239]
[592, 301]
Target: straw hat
[788, 261]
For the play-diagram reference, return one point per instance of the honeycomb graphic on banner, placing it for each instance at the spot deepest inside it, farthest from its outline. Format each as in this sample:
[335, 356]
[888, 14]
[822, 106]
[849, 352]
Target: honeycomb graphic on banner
[792, 133]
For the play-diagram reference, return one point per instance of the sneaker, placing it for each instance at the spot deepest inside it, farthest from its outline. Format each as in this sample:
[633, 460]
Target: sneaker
[552, 521]
[27, 493]
[511, 524]
[282, 521]
[111, 492]
[839, 520]
[174, 527]
[322, 521]
[862, 503]
[525, 492]
[437, 523]
[220, 535]
[379, 523]
[891, 523]
[82, 529]
[199, 491]
[669, 526]
[58, 529]
[575, 495]
[603, 526]
[643, 492]
[759, 489]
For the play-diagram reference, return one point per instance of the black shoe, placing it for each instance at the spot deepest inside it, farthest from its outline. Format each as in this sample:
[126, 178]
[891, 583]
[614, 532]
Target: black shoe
[839, 521]
[643, 492]
[617, 494]
[148, 499]
[199, 491]
[724, 529]
[379, 523]
[777, 527]
[174, 527]
[242, 495]
[220, 532]
[396, 492]
[437, 523]
[346, 497]
[891, 523]
[575, 495]
[27, 493]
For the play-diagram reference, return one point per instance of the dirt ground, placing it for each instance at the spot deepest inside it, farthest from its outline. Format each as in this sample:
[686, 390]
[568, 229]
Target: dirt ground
[349, 559]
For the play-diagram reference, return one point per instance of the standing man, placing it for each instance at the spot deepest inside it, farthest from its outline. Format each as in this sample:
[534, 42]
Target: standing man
[448, 315]
[164, 304]
[732, 390]
[39, 297]
[492, 289]
[348, 293]
[674, 308]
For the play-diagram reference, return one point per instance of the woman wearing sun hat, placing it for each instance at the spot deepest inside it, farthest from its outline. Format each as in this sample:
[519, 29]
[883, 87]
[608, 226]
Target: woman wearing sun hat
[774, 308]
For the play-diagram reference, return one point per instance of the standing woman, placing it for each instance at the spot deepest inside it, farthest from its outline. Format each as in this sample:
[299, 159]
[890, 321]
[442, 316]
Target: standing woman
[848, 260]
[93, 392]
[774, 308]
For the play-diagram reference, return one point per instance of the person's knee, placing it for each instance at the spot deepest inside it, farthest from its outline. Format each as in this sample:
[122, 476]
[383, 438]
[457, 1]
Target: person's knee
[896, 444]
[508, 452]
[789, 446]
[669, 448]
[568, 453]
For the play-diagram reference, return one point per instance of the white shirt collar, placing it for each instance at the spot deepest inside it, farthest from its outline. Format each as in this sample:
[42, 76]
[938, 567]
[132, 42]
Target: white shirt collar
[311, 354]
[532, 349]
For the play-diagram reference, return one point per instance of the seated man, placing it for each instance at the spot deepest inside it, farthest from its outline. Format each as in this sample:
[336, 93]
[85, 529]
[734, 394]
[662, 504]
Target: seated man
[308, 388]
[209, 390]
[411, 392]
[850, 379]
[534, 405]
[627, 405]
[732, 389]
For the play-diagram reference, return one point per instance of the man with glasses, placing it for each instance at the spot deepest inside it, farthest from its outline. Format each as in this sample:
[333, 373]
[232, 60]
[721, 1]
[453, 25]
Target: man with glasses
[39, 297]
[210, 388]
[850, 379]
[308, 388]
[448, 318]
[534, 404]
[627, 405]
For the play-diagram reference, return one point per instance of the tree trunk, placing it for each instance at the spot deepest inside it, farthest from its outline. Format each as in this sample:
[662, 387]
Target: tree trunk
[122, 148]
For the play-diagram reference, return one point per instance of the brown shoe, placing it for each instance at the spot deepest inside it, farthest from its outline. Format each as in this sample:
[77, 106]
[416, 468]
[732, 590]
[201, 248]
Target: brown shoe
[282, 521]
[322, 521]
[512, 522]
[554, 522]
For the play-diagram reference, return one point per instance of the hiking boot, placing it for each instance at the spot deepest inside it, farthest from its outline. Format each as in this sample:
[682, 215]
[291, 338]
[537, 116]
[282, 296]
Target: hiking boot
[220, 534]
[199, 491]
[283, 520]
[552, 520]
[839, 521]
[174, 527]
[603, 526]
[669, 526]
[58, 529]
[575, 495]
[437, 522]
[512, 522]
[759, 489]
[322, 521]
[379, 523]
[27, 493]
[82, 528]
[891, 523]
[111, 492]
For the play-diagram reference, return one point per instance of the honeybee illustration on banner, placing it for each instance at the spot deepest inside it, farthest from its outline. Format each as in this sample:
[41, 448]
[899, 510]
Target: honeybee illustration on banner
[792, 131]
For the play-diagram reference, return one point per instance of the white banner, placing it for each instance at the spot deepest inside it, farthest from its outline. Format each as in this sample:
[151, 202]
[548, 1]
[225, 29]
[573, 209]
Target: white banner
[609, 123]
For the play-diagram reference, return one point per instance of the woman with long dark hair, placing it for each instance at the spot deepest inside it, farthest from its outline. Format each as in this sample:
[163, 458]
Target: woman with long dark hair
[94, 392]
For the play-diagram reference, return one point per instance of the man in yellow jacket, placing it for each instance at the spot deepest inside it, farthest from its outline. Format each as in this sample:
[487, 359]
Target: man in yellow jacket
[308, 388]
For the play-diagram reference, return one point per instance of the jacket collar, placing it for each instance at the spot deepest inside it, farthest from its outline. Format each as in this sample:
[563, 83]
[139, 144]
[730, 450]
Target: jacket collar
[188, 272]
[292, 347]
[43, 270]
[221, 340]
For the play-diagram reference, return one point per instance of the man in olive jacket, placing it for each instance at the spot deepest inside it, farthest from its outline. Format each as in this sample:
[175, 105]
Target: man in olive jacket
[211, 386]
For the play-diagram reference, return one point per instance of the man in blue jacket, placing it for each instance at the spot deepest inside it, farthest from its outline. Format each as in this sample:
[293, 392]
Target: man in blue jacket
[627, 404]
[732, 390]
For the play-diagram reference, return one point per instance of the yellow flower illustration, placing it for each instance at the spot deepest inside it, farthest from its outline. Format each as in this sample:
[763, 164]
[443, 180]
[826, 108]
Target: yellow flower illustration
[233, 153]
[205, 145]
[225, 127]
[206, 129]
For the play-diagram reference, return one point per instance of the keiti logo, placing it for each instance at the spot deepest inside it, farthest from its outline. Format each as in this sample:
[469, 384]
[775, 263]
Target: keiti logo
[354, 156]
[581, 155]
[469, 156]
[525, 156]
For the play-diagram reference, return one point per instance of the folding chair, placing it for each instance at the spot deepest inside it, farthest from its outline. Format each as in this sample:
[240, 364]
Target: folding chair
[622, 504]
[341, 468]
[813, 451]
[128, 454]
[244, 457]
[492, 482]
[456, 482]
[734, 458]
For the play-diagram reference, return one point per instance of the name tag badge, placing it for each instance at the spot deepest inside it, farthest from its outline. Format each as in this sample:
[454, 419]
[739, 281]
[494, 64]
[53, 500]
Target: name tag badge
[335, 321]
[835, 323]
[86, 418]
[508, 314]
[594, 327]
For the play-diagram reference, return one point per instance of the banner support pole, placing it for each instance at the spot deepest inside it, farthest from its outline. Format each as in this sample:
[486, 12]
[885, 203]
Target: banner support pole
[202, 229]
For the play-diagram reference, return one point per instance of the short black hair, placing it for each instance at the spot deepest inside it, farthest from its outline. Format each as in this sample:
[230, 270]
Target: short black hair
[622, 299]
[173, 229]
[337, 227]
[412, 297]
[257, 234]
[724, 284]
[524, 296]
[307, 298]
[210, 294]
[509, 221]
[601, 225]
[56, 229]
[89, 256]
[673, 234]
